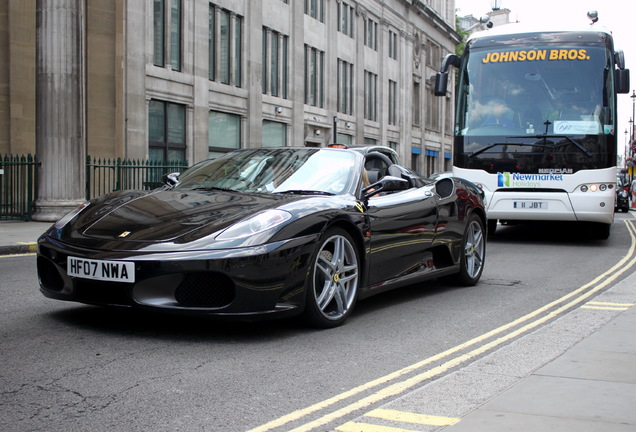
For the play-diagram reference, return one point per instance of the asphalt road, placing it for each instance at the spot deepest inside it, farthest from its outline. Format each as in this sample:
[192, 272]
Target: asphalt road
[70, 367]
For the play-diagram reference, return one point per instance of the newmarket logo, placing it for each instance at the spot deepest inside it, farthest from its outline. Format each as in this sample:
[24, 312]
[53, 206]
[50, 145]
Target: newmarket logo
[507, 179]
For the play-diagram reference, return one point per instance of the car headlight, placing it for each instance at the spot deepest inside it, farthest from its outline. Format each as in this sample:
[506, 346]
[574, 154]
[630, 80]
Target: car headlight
[66, 219]
[258, 223]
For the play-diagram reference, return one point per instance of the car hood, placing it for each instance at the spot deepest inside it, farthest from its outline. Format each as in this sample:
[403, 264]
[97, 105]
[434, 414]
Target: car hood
[162, 216]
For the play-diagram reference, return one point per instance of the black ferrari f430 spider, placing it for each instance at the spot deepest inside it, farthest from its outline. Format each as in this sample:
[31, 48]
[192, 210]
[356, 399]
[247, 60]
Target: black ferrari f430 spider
[267, 232]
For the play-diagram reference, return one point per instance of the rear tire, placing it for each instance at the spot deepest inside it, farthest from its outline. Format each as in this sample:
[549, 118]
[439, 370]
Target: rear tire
[473, 257]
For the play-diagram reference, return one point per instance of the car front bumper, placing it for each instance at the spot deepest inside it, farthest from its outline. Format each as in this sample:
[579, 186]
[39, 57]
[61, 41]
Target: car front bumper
[245, 282]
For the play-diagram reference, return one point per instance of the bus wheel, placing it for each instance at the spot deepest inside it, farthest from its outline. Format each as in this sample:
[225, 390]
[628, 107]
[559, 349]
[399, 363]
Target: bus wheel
[600, 231]
[492, 226]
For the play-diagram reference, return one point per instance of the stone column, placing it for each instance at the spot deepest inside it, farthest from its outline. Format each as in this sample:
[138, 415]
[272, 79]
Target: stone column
[60, 107]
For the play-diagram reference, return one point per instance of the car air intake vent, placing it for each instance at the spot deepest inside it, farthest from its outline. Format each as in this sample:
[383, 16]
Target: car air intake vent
[205, 290]
[49, 275]
[444, 187]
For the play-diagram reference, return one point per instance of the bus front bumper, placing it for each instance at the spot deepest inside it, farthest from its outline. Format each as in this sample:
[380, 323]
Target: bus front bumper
[555, 206]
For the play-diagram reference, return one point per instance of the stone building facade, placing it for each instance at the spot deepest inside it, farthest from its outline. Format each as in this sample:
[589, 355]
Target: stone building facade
[189, 79]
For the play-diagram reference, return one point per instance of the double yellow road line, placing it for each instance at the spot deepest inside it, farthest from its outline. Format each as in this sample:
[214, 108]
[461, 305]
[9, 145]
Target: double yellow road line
[397, 383]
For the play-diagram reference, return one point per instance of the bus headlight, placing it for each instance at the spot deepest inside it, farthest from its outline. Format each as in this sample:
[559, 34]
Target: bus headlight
[595, 187]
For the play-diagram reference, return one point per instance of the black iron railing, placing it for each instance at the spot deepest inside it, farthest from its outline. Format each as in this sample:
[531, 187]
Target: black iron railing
[19, 180]
[107, 175]
[18, 186]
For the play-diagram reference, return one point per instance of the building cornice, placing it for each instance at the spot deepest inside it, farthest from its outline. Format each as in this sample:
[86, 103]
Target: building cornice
[433, 18]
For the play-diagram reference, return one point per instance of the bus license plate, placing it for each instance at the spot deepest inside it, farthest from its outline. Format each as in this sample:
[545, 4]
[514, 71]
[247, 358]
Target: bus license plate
[113, 271]
[532, 205]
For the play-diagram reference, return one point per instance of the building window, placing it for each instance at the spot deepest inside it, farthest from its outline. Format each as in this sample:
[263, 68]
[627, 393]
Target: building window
[171, 22]
[447, 162]
[370, 141]
[432, 112]
[345, 87]
[392, 102]
[166, 131]
[448, 115]
[433, 57]
[344, 139]
[314, 76]
[315, 9]
[394, 145]
[175, 35]
[431, 162]
[345, 18]
[275, 63]
[224, 133]
[274, 134]
[417, 110]
[393, 45]
[371, 34]
[370, 96]
[225, 38]
[415, 159]
[430, 165]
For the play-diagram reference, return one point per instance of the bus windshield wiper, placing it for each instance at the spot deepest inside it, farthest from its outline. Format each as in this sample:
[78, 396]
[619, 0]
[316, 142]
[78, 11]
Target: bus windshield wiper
[544, 137]
[488, 147]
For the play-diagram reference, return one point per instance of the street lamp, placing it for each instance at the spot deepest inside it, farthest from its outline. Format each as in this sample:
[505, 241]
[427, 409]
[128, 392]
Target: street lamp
[633, 96]
[335, 129]
[629, 146]
[626, 147]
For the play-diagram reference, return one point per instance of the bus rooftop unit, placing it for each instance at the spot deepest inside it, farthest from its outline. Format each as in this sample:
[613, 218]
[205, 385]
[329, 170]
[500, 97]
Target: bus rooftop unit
[535, 123]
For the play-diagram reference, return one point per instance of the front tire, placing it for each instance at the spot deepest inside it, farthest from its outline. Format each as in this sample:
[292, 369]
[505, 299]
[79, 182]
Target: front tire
[332, 286]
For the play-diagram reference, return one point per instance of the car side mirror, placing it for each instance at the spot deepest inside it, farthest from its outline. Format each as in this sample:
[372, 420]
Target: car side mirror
[385, 184]
[170, 179]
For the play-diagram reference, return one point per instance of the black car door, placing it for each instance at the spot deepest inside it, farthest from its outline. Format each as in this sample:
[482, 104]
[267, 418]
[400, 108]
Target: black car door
[402, 229]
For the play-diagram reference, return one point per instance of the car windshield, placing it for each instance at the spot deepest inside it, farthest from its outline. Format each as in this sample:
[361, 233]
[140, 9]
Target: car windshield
[280, 170]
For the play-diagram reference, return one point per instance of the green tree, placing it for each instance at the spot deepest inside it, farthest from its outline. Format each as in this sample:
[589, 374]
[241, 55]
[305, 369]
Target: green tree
[463, 34]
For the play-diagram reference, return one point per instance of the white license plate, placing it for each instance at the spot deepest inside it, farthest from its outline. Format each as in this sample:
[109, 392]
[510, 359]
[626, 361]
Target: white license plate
[531, 205]
[114, 271]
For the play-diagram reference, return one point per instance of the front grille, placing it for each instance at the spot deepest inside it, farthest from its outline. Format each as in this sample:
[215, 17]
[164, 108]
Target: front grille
[104, 293]
[205, 290]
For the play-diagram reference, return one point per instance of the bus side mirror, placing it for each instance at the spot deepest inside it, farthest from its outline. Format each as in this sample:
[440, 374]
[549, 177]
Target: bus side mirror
[621, 80]
[441, 83]
[441, 79]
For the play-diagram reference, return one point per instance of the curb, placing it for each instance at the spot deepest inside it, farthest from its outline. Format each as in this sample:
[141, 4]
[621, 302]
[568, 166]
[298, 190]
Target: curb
[18, 249]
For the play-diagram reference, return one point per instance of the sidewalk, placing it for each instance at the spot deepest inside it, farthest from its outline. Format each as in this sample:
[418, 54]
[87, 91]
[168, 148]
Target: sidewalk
[17, 237]
[590, 387]
[576, 374]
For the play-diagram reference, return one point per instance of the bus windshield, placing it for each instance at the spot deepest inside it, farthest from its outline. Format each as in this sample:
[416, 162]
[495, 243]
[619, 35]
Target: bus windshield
[535, 107]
